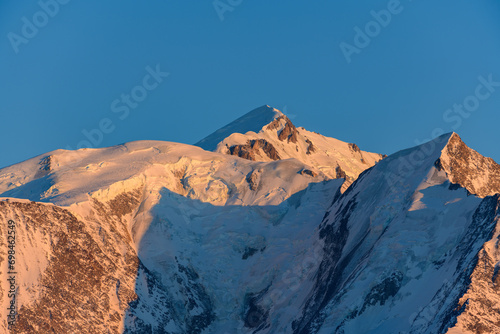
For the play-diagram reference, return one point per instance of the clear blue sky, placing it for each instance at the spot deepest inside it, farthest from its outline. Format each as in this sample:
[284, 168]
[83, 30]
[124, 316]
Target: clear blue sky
[65, 76]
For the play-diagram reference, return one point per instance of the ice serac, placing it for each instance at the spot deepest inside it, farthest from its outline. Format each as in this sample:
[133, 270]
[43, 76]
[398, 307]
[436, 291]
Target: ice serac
[270, 135]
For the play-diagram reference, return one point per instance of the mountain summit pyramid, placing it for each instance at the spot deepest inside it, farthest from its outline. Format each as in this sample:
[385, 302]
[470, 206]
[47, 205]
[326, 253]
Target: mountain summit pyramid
[478, 174]
[253, 121]
[266, 134]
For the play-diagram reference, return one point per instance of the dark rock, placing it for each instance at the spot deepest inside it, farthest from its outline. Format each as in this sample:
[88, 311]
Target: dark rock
[464, 166]
[255, 315]
[45, 167]
[339, 173]
[275, 124]
[331, 269]
[310, 148]
[354, 147]
[252, 147]
[308, 172]
[289, 131]
[249, 251]
[381, 292]
[252, 179]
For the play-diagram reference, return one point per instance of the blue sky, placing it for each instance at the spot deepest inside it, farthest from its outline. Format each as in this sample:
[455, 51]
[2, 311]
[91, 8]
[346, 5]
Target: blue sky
[69, 75]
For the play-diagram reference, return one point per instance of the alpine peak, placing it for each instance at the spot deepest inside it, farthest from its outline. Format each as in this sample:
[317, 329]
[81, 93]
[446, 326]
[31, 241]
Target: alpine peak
[464, 166]
[254, 121]
[266, 134]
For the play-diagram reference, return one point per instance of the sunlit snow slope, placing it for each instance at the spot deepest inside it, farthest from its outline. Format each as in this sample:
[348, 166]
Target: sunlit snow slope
[152, 235]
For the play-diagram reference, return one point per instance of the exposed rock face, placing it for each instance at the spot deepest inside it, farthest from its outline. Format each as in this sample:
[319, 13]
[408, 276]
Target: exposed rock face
[151, 246]
[87, 284]
[175, 239]
[253, 180]
[480, 304]
[478, 174]
[310, 147]
[94, 280]
[357, 284]
[252, 150]
[340, 174]
[354, 148]
[382, 291]
[276, 124]
[308, 172]
[252, 121]
[289, 133]
[45, 167]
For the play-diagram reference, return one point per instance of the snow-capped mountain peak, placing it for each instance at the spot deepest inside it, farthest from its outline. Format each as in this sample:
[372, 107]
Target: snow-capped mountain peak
[280, 139]
[253, 121]
[402, 244]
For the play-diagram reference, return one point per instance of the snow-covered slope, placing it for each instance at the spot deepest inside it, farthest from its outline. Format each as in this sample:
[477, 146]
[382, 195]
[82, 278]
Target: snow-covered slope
[400, 247]
[67, 177]
[266, 134]
[153, 234]
[160, 237]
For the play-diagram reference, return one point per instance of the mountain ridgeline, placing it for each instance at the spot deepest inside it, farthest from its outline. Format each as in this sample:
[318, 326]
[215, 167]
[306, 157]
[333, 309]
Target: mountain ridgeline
[261, 227]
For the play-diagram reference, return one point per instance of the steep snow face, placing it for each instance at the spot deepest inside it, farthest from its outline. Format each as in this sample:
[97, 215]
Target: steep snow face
[399, 247]
[464, 166]
[228, 257]
[252, 121]
[279, 139]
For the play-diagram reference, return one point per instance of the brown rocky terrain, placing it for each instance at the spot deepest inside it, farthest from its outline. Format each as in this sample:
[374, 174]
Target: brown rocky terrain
[478, 174]
[87, 283]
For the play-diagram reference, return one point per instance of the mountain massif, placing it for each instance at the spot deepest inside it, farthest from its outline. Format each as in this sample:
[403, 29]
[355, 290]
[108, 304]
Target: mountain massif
[261, 227]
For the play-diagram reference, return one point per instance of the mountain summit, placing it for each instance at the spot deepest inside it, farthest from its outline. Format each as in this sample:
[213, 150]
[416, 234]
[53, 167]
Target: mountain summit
[463, 166]
[266, 134]
[253, 121]
[466, 167]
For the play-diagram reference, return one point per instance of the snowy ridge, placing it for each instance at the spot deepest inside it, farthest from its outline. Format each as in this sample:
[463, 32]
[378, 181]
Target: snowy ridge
[252, 121]
[279, 139]
[183, 169]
